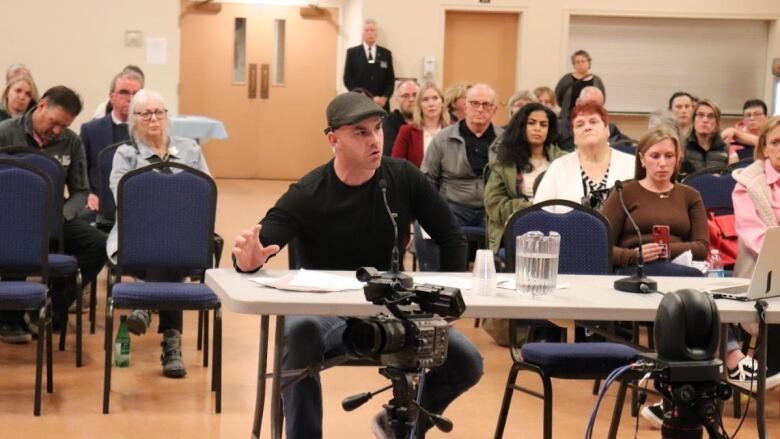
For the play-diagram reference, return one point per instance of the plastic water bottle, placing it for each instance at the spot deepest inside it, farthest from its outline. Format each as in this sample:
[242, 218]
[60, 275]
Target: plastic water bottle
[715, 265]
[122, 345]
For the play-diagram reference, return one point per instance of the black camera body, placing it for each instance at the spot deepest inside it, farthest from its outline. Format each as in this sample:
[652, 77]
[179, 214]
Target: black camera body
[418, 342]
[414, 337]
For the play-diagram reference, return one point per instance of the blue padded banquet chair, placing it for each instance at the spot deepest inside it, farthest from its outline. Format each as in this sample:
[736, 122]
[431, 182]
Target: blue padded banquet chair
[61, 266]
[24, 248]
[107, 217]
[165, 216]
[715, 186]
[585, 248]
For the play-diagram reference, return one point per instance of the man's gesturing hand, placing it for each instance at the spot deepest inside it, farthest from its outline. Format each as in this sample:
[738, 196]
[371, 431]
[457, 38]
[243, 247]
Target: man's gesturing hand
[249, 252]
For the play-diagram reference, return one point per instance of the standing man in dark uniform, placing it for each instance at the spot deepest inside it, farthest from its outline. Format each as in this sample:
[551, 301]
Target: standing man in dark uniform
[371, 67]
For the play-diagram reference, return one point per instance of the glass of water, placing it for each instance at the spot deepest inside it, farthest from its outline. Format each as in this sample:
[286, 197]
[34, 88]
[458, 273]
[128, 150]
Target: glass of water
[536, 263]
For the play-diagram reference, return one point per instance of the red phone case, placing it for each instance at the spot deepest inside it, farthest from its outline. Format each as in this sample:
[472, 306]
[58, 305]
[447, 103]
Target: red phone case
[661, 237]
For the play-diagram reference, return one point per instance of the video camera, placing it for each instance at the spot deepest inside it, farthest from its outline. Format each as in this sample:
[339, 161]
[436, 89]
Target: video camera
[686, 373]
[416, 337]
[413, 339]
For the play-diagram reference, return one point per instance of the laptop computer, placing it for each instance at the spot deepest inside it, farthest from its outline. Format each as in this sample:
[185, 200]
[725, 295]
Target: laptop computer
[764, 283]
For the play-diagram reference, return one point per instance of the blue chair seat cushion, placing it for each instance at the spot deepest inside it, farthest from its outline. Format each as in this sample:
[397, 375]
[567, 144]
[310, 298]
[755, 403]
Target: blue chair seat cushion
[21, 295]
[62, 265]
[578, 360]
[162, 295]
[473, 231]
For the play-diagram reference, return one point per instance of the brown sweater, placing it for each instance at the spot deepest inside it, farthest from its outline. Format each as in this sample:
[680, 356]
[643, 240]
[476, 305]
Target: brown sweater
[683, 211]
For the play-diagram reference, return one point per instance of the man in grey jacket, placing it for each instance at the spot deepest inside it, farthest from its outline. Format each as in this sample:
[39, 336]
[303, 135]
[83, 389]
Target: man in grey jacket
[455, 161]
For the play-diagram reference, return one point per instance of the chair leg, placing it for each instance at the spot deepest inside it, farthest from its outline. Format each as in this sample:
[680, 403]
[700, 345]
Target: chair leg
[508, 392]
[79, 328]
[49, 356]
[63, 334]
[476, 322]
[200, 329]
[39, 362]
[737, 397]
[107, 347]
[617, 412]
[596, 386]
[206, 339]
[217, 367]
[92, 305]
[548, 400]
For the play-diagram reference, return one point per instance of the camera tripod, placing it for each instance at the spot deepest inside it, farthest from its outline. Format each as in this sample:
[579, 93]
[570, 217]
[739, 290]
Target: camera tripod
[404, 413]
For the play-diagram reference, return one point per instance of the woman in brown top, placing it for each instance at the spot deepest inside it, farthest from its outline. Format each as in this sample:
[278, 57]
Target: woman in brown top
[654, 198]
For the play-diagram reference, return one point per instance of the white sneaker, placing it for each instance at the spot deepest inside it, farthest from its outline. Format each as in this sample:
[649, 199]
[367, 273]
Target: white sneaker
[380, 426]
[654, 414]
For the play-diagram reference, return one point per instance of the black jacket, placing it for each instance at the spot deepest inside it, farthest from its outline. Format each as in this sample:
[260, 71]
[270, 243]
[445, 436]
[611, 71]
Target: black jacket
[378, 77]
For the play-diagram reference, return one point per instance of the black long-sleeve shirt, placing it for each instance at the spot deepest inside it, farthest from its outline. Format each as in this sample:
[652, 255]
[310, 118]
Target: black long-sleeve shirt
[342, 227]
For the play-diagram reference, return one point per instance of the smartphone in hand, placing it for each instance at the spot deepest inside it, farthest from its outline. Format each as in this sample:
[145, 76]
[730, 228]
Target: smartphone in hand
[661, 237]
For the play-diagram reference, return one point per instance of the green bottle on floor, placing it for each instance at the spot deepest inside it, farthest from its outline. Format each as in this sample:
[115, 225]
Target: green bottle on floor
[122, 345]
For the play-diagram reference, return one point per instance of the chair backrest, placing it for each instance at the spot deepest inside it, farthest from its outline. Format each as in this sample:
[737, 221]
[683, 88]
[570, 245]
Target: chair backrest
[586, 247]
[53, 169]
[744, 163]
[25, 219]
[715, 186]
[107, 206]
[166, 219]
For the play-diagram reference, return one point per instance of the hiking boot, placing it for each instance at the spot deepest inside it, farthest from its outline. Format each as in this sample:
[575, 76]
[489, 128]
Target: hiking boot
[138, 321]
[172, 362]
[14, 333]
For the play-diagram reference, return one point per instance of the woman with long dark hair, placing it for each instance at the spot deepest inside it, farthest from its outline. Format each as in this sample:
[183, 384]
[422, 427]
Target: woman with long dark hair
[524, 151]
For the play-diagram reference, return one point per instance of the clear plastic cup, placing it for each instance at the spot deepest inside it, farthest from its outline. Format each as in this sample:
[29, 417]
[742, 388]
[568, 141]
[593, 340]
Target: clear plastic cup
[536, 263]
[483, 281]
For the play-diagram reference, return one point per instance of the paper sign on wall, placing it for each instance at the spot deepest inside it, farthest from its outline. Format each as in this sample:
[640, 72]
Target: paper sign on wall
[157, 51]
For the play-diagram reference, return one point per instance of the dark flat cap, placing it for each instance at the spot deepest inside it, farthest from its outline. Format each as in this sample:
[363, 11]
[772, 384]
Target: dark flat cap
[350, 108]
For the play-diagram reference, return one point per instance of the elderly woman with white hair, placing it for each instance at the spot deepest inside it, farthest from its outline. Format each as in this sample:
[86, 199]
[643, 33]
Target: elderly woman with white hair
[150, 143]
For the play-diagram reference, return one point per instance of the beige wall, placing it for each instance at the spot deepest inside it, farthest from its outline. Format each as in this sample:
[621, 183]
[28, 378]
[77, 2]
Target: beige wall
[413, 29]
[80, 43]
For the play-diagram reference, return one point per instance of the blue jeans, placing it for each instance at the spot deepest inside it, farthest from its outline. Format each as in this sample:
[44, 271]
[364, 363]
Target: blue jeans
[427, 251]
[311, 339]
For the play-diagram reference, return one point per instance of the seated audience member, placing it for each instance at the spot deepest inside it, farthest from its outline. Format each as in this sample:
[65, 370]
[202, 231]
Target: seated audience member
[660, 118]
[704, 147]
[454, 163]
[15, 70]
[105, 107]
[109, 129]
[654, 198]
[571, 84]
[428, 118]
[586, 175]
[745, 133]
[455, 101]
[405, 96]
[349, 234]
[756, 208]
[46, 128]
[546, 97]
[565, 136]
[150, 143]
[518, 100]
[523, 152]
[19, 96]
[681, 105]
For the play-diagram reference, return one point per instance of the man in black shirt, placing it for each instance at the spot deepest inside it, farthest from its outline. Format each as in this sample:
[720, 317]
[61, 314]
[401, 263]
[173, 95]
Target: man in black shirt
[337, 214]
[405, 95]
[370, 66]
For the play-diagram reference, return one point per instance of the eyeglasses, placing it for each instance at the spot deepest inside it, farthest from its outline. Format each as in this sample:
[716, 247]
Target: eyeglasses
[147, 115]
[754, 115]
[485, 105]
[710, 116]
[126, 93]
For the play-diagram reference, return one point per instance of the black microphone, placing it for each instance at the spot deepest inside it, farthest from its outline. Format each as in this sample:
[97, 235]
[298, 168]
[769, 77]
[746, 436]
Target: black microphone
[637, 283]
[395, 265]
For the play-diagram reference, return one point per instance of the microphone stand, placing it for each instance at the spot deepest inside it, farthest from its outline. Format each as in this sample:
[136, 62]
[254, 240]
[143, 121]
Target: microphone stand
[637, 283]
[395, 274]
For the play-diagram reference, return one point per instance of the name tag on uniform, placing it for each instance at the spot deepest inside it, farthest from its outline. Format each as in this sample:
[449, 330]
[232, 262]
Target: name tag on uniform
[383, 64]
